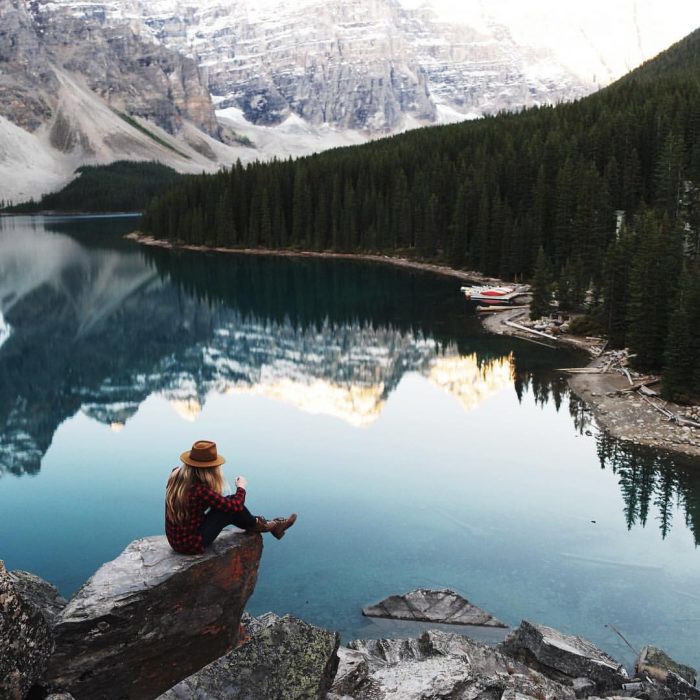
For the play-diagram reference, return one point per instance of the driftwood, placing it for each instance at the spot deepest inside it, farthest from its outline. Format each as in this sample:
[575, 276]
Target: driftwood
[520, 327]
[581, 370]
[661, 410]
[627, 374]
[640, 384]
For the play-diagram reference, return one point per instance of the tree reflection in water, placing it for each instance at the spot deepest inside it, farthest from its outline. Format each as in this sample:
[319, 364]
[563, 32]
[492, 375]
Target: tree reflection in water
[653, 480]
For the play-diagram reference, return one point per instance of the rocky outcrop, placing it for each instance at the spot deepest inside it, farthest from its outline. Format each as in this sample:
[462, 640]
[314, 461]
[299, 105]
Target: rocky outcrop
[284, 658]
[40, 594]
[564, 657]
[25, 640]
[437, 665]
[655, 663]
[424, 605]
[151, 617]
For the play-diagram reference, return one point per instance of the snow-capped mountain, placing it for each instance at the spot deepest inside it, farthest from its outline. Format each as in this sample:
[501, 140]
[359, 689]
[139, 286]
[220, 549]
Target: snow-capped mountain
[84, 82]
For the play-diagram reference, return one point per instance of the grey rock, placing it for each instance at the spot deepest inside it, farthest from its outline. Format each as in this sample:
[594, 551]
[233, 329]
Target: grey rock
[60, 696]
[583, 687]
[353, 670]
[439, 665]
[657, 664]
[443, 605]
[25, 641]
[680, 688]
[285, 659]
[39, 593]
[151, 617]
[563, 657]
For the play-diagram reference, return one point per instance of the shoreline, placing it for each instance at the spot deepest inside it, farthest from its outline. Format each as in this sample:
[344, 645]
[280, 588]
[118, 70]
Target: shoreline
[626, 416]
[406, 263]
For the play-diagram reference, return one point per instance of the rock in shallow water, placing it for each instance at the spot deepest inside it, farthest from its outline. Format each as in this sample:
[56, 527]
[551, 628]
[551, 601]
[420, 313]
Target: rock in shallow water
[443, 605]
[563, 657]
[25, 640]
[151, 617]
[285, 659]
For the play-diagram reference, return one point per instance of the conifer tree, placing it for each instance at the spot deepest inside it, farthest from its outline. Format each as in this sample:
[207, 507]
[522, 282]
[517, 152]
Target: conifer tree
[541, 287]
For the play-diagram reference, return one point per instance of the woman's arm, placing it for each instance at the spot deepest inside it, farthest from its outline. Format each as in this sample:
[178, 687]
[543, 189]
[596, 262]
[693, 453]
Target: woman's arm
[229, 504]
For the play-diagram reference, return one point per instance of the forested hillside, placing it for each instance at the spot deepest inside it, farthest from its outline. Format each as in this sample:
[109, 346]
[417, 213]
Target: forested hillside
[120, 186]
[598, 196]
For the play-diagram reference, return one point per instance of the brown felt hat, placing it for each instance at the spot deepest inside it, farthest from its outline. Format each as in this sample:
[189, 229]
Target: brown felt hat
[203, 454]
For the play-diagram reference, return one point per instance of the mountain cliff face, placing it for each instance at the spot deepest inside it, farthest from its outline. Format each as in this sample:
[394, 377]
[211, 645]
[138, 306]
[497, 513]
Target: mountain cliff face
[39, 41]
[357, 64]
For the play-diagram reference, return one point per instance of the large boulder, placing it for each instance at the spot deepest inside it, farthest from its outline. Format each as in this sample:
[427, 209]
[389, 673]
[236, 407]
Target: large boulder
[284, 659]
[437, 665]
[425, 605]
[25, 640]
[656, 663]
[151, 617]
[564, 657]
[39, 593]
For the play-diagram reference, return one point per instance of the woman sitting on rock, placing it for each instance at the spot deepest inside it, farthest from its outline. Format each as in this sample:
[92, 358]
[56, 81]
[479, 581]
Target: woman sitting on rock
[197, 485]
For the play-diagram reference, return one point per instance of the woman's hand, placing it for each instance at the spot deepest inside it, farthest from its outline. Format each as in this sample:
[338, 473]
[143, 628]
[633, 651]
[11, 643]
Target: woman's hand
[241, 482]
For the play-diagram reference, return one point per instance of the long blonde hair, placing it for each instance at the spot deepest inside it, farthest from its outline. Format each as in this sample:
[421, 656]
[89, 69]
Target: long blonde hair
[178, 487]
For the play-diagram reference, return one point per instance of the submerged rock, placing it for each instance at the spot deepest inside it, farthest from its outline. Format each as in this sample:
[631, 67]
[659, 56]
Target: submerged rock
[25, 640]
[563, 657]
[425, 605]
[284, 659]
[437, 665]
[151, 617]
[657, 664]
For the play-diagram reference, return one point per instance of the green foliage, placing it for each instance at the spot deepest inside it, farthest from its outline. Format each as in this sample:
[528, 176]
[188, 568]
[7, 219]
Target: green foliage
[489, 194]
[147, 132]
[584, 325]
[120, 186]
[541, 287]
[681, 377]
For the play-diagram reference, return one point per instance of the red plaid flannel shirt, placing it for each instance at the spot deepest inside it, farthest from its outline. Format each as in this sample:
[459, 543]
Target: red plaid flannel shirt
[186, 538]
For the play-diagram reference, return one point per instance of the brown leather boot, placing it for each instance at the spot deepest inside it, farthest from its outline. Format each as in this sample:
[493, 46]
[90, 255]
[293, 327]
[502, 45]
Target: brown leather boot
[279, 525]
[262, 525]
[276, 526]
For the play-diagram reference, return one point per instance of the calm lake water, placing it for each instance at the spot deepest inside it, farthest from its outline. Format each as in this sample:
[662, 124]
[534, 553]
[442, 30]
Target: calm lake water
[417, 450]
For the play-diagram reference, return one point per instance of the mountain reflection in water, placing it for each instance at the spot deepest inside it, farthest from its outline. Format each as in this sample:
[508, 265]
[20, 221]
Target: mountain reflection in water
[99, 330]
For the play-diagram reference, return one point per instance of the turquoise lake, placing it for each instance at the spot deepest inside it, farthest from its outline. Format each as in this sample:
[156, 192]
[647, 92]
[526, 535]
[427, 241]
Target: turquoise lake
[418, 450]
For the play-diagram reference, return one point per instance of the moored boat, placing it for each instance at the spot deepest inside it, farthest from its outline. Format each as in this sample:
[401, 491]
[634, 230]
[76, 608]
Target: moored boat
[491, 295]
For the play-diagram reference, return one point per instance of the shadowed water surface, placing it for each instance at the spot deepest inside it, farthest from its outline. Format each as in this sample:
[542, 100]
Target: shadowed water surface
[417, 450]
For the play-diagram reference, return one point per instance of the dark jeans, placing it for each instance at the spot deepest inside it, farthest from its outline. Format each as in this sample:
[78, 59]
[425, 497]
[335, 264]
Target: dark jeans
[216, 520]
